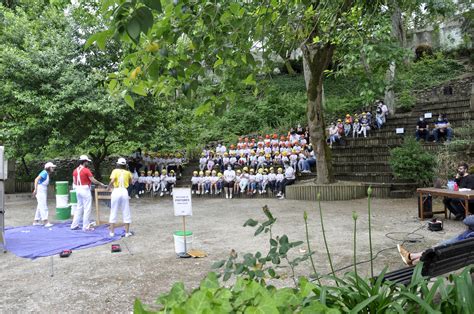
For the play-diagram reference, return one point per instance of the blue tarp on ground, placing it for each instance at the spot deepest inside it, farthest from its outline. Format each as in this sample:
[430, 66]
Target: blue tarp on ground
[38, 241]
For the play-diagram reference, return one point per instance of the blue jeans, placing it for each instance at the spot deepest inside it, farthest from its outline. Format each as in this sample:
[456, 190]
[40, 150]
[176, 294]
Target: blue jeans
[447, 132]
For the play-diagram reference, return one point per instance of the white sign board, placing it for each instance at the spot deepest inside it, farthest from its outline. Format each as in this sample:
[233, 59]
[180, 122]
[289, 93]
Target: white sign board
[428, 115]
[182, 202]
[399, 130]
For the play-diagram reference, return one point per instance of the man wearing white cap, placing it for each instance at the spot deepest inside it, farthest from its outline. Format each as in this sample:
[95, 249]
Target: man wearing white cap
[120, 179]
[82, 179]
[41, 193]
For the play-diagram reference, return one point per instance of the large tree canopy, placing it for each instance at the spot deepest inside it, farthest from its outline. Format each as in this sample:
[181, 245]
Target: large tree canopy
[52, 99]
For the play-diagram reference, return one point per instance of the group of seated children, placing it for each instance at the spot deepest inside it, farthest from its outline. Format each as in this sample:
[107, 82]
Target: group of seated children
[442, 128]
[153, 183]
[357, 124]
[271, 151]
[243, 181]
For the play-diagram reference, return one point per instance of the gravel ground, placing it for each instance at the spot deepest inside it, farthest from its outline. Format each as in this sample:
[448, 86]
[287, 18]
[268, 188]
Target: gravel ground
[95, 280]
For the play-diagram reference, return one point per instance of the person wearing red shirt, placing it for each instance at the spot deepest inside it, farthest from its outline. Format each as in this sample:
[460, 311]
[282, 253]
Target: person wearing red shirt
[82, 179]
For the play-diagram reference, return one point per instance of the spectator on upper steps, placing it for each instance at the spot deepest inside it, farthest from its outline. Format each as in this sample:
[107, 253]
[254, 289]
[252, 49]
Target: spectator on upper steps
[422, 129]
[442, 128]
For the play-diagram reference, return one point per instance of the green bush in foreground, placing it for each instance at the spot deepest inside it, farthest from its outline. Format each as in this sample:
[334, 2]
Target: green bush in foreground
[351, 293]
[411, 162]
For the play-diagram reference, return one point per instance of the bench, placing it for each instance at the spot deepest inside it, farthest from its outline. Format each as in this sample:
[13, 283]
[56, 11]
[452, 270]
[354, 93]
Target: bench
[438, 261]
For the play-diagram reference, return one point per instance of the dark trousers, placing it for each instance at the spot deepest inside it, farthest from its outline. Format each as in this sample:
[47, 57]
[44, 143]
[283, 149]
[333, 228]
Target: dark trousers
[455, 206]
[284, 183]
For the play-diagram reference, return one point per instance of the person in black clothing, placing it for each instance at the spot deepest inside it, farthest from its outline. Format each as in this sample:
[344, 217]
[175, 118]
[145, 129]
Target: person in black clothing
[464, 181]
[422, 130]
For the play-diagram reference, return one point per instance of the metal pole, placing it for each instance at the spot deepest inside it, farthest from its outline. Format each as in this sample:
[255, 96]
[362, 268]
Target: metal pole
[184, 233]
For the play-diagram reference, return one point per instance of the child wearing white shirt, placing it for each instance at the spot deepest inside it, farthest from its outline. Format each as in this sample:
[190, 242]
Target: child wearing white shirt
[259, 181]
[170, 182]
[252, 182]
[156, 182]
[195, 182]
[207, 182]
[244, 180]
[279, 179]
[272, 179]
[213, 179]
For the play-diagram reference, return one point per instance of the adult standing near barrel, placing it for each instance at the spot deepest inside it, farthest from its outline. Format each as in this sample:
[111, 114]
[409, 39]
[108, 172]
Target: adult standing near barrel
[82, 179]
[120, 179]
[41, 194]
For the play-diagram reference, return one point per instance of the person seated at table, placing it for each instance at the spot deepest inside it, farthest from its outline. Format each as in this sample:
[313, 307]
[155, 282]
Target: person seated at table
[422, 130]
[442, 128]
[464, 180]
[413, 258]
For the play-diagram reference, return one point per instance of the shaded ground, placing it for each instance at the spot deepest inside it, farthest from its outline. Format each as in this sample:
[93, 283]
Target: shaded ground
[95, 280]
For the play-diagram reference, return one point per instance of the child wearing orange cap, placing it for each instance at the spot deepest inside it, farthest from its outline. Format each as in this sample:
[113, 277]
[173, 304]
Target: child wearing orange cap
[347, 124]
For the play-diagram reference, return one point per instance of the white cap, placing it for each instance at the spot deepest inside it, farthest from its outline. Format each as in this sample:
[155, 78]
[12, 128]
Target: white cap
[49, 165]
[121, 161]
[84, 157]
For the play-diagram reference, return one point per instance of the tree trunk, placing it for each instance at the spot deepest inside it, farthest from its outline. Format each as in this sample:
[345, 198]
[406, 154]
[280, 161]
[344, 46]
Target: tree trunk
[389, 97]
[27, 170]
[315, 61]
[398, 29]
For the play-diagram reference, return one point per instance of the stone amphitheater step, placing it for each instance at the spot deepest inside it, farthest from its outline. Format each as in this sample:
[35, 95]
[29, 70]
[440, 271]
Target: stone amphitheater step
[378, 177]
[441, 105]
[362, 167]
[361, 157]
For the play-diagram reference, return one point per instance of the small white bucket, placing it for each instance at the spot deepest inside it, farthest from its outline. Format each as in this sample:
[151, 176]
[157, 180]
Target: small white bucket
[179, 241]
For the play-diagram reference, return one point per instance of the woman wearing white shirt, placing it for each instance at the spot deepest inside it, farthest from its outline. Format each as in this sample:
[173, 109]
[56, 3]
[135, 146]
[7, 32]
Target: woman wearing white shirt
[288, 180]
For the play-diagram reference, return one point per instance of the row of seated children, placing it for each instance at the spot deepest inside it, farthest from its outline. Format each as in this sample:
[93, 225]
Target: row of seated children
[242, 181]
[153, 183]
[157, 161]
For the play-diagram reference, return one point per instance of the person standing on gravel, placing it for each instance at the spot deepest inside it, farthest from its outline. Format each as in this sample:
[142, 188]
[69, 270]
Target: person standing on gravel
[41, 194]
[82, 179]
[120, 179]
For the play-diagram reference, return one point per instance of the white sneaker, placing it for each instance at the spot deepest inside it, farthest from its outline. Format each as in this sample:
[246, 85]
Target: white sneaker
[37, 224]
[227, 196]
[111, 234]
[128, 234]
[198, 193]
[161, 194]
[171, 193]
[192, 192]
[254, 191]
[230, 196]
[48, 225]
[136, 196]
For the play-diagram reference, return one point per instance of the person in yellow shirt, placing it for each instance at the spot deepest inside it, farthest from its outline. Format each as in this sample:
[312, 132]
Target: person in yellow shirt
[120, 179]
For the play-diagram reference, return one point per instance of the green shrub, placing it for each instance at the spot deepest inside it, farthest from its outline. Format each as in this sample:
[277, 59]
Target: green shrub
[411, 162]
[406, 101]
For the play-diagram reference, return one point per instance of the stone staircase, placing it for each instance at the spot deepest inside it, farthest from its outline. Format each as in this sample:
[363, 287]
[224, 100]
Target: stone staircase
[366, 159]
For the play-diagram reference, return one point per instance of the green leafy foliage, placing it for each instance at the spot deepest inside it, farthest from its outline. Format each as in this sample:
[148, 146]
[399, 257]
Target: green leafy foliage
[411, 162]
[251, 293]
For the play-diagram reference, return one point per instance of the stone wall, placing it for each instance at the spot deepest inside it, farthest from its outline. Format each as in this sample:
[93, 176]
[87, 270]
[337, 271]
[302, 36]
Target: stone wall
[452, 90]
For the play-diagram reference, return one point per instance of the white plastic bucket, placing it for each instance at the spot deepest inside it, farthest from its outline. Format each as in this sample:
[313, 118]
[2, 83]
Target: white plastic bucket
[179, 241]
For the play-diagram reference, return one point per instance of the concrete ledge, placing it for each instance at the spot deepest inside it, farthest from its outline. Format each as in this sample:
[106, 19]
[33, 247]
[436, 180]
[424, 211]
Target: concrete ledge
[329, 192]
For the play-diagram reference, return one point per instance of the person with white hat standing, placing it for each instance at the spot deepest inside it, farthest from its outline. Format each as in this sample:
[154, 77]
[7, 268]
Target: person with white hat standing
[82, 179]
[41, 193]
[120, 179]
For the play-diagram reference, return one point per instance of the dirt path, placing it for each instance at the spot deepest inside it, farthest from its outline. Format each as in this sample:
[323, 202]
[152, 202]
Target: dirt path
[94, 280]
